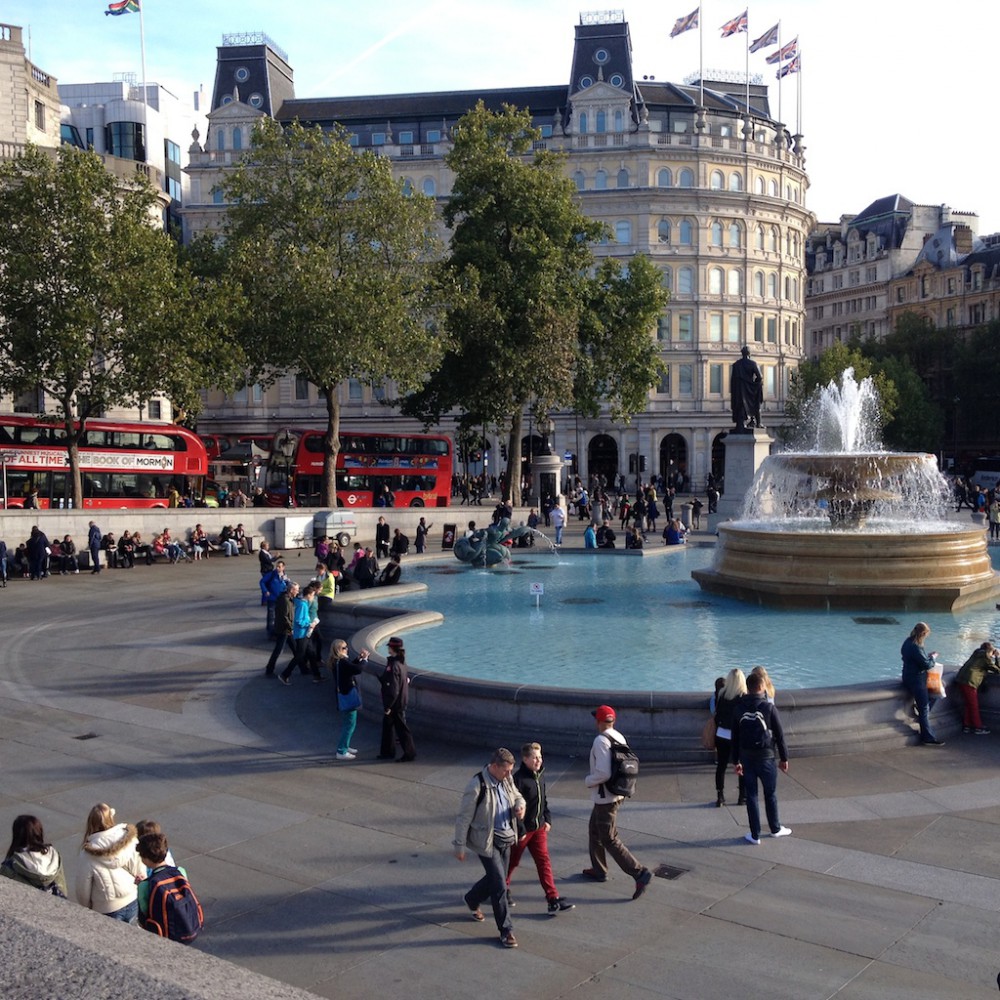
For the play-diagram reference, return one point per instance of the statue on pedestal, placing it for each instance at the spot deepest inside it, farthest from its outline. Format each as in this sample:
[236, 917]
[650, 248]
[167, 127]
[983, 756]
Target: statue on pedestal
[746, 390]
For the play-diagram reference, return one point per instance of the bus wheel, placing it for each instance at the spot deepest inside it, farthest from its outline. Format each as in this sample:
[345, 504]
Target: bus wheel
[343, 539]
[416, 502]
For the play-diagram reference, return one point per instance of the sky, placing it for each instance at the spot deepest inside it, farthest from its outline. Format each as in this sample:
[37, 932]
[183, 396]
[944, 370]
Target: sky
[897, 95]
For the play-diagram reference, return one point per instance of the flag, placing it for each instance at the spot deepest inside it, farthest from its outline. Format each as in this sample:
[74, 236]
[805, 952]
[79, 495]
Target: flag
[789, 67]
[768, 38]
[683, 24]
[122, 7]
[785, 52]
[735, 26]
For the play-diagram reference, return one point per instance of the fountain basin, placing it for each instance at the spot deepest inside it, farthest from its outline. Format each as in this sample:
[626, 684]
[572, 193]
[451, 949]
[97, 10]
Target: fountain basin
[923, 570]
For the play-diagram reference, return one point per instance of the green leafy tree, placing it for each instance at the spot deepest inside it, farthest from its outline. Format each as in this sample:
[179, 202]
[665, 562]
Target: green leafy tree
[533, 321]
[98, 310]
[334, 259]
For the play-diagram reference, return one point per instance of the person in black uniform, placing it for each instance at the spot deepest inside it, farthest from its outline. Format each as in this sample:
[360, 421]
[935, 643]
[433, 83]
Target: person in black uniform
[395, 692]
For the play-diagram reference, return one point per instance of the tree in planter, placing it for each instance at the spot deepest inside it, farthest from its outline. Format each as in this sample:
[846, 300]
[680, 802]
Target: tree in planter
[533, 320]
[97, 309]
[334, 259]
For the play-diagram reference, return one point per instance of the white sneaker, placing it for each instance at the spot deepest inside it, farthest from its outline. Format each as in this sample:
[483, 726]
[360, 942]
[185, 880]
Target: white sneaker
[353, 750]
[346, 756]
[785, 831]
[751, 839]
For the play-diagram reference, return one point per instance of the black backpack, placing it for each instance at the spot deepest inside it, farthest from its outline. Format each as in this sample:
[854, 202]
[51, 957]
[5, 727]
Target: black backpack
[174, 910]
[755, 730]
[624, 769]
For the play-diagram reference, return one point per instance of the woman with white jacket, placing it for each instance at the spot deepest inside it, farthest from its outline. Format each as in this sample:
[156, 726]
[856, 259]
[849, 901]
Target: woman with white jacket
[109, 867]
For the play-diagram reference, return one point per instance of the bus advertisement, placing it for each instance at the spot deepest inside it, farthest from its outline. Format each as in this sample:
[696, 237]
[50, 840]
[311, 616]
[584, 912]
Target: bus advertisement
[416, 469]
[122, 464]
[987, 472]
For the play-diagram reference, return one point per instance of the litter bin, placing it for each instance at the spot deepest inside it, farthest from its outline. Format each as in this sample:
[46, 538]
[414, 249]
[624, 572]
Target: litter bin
[687, 510]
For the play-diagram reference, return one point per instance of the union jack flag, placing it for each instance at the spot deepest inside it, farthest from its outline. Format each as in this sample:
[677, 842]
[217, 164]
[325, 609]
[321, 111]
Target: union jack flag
[770, 37]
[735, 26]
[683, 24]
[789, 67]
[785, 52]
[119, 7]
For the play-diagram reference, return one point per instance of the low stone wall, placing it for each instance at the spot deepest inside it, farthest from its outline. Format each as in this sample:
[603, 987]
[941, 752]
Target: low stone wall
[54, 948]
[660, 725]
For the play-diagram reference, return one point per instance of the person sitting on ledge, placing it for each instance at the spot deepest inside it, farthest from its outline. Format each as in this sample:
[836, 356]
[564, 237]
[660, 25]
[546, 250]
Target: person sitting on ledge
[673, 533]
[390, 575]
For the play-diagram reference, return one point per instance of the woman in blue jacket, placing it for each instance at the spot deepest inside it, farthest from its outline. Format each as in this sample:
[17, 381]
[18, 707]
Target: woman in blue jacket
[916, 662]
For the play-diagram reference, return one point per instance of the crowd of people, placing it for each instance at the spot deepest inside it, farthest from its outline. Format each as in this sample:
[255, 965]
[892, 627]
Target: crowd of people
[123, 871]
[38, 557]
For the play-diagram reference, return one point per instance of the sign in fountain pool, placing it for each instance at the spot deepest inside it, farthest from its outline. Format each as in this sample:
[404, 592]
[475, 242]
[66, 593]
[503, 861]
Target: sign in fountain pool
[609, 623]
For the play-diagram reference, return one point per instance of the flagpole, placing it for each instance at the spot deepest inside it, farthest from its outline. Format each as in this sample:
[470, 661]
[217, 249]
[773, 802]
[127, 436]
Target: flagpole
[779, 77]
[798, 89]
[142, 47]
[746, 47]
[701, 57]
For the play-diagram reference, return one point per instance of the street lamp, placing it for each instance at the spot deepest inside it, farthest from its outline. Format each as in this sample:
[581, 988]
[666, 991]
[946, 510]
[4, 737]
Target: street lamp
[286, 443]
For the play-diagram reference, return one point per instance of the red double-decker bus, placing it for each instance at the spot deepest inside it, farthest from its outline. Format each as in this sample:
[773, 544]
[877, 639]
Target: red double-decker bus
[122, 464]
[415, 468]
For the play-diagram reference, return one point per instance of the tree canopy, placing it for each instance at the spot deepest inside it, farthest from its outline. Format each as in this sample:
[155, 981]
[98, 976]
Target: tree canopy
[533, 320]
[334, 259]
[98, 309]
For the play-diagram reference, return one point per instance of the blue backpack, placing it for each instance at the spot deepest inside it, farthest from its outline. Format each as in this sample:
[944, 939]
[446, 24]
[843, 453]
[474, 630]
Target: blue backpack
[174, 910]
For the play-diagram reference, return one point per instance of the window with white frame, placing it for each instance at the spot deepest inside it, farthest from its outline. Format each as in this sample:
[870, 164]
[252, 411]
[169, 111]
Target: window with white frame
[734, 328]
[717, 181]
[685, 281]
[623, 231]
[734, 281]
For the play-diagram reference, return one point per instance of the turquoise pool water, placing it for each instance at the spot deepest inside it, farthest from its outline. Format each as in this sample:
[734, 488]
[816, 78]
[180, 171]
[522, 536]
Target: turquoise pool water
[614, 623]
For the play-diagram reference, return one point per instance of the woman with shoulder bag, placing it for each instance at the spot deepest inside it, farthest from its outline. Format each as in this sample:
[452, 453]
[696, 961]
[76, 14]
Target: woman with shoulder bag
[726, 717]
[345, 672]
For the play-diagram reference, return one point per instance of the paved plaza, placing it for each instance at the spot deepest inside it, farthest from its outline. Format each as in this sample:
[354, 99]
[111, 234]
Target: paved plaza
[145, 689]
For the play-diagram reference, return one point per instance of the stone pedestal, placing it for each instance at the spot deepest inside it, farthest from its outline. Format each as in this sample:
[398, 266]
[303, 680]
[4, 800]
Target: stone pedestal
[546, 471]
[744, 453]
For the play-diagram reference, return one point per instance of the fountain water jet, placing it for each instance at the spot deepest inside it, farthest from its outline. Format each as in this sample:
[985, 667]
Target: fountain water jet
[844, 523]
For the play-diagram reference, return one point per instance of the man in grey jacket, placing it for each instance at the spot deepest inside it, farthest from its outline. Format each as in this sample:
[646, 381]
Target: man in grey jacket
[487, 824]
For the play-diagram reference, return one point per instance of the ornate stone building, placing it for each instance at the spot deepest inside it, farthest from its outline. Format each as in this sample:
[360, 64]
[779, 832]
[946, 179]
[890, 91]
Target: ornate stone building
[852, 264]
[707, 184]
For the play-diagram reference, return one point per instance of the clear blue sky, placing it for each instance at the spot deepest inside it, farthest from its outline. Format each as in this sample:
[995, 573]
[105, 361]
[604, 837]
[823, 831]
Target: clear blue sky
[898, 95]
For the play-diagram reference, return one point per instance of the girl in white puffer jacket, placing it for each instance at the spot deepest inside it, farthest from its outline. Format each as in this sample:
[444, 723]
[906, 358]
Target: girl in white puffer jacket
[109, 867]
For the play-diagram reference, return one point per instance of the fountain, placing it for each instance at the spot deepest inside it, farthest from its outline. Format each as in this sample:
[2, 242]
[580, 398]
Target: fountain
[844, 523]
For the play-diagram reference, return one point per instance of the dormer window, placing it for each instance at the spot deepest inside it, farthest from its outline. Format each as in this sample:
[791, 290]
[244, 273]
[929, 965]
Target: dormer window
[601, 56]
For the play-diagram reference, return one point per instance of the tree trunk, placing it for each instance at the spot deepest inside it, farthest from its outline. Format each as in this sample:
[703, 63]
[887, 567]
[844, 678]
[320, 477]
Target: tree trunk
[512, 487]
[73, 435]
[331, 445]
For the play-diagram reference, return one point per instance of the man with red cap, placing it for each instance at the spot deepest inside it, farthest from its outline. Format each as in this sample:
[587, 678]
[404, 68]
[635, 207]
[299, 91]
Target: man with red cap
[603, 830]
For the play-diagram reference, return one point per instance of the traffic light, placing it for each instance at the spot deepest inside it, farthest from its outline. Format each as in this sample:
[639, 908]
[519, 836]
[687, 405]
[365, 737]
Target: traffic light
[476, 455]
[642, 463]
[503, 452]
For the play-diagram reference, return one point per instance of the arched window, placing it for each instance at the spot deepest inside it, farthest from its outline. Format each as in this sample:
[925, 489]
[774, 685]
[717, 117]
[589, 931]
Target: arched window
[623, 178]
[759, 238]
[760, 186]
[716, 234]
[663, 231]
[600, 180]
[686, 179]
[429, 187]
[717, 182]
[772, 189]
[788, 243]
[772, 286]
[788, 192]
[795, 290]
[602, 122]
[619, 122]
[237, 138]
[788, 287]
[773, 240]
[735, 182]
[685, 281]
[735, 234]
[220, 140]
[408, 186]
[668, 279]
[663, 178]
[734, 281]
[686, 233]
[583, 122]
[623, 231]
[758, 283]
[715, 279]
[579, 180]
